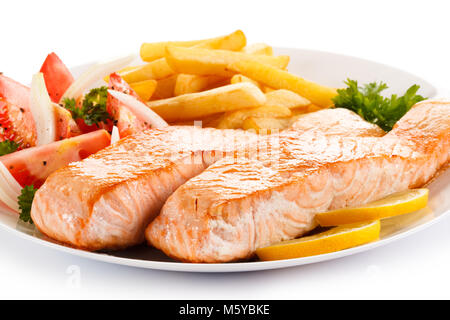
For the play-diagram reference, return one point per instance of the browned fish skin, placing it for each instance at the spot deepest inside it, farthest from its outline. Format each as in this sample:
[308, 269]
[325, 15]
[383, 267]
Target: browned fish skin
[233, 208]
[107, 200]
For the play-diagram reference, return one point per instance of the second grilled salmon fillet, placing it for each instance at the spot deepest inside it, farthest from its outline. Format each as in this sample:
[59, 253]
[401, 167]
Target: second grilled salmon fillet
[107, 200]
[239, 205]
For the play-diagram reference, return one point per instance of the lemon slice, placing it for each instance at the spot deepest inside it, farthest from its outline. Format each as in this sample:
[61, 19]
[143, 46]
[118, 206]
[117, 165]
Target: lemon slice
[335, 239]
[393, 205]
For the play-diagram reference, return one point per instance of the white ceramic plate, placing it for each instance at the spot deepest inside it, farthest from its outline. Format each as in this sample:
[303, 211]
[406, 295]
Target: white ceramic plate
[327, 68]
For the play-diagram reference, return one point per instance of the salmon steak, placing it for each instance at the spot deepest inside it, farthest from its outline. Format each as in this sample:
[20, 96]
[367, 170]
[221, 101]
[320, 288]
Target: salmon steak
[239, 205]
[208, 195]
[107, 201]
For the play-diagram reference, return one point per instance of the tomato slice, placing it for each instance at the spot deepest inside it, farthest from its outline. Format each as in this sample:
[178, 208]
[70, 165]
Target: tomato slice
[57, 77]
[117, 83]
[32, 166]
[84, 128]
[16, 119]
[14, 92]
[124, 119]
[65, 125]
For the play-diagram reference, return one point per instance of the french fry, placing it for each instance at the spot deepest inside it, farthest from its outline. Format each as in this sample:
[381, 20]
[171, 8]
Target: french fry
[165, 88]
[202, 104]
[235, 119]
[188, 83]
[234, 41]
[144, 89]
[295, 117]
[267, 89]
[286, 98]
[278, 104]
[208, 121]
[258, 48]
[313, 108]
[129, 68]
[299, 111]
[195, 83]
[304, 110]
[280, 79]
[156, 70]
[158, 67]
[213, 120]
[265, 125]
[214, 62]
[237, 78]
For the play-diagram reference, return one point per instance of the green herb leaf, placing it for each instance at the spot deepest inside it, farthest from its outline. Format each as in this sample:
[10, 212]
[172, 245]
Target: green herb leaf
[94, 106]
[93, 110]
[7, 147]
[25, 200]
[372, 106]
[71, 105]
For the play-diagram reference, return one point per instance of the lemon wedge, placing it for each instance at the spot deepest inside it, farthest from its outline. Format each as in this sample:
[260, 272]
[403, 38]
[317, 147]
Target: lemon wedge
[393, 205]
[335, 239]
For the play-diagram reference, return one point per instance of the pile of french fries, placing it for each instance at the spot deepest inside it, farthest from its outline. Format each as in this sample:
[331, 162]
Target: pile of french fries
[224, 83]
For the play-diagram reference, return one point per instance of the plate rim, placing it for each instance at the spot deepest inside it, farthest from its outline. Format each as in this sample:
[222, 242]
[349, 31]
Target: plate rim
[436, 91]
[234, 267]
[231, 267]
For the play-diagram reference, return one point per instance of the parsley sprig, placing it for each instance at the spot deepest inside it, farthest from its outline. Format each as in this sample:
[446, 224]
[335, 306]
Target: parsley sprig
[368, 102]
[93, 110]
[7, 147]
[25, 201]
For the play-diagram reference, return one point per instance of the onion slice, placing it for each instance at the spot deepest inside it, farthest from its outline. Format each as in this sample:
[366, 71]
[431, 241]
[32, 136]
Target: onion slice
[115, 136]
[42, 110]
[95, 73]
[139, 109]
[10, 189]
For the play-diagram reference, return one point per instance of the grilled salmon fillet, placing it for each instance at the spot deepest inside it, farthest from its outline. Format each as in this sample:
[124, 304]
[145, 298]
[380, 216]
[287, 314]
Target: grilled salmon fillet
[238, 205]
[107, 200]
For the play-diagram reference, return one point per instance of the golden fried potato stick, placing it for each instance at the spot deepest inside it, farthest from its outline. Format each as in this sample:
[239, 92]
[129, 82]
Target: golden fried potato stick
[144, 89]
[258, 48]
[202, 104]
[237, 78]
[165, 88]
[278, 105]
[265, 125]
[156, 70]
[234, 41]
[122, 71]
[189, 83]
[235, 119]
[280, 79]
[286, 98]
[214, 62]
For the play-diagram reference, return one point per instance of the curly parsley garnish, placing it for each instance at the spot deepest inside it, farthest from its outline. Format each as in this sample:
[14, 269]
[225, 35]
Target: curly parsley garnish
[372, 106]
[7, 147]
[93, 110]
[25, 200]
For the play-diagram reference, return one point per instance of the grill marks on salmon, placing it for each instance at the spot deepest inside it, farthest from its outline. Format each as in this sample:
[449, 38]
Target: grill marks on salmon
[234, 207]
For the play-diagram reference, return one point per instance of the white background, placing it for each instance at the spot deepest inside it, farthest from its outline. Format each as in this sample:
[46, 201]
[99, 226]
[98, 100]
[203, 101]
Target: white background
[411, 35]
